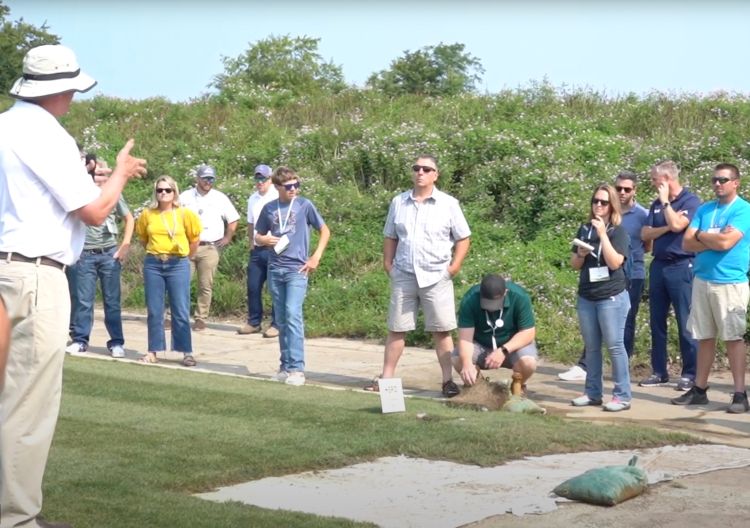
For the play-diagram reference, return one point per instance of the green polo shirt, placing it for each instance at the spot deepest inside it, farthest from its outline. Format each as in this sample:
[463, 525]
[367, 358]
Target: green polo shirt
[517, 315]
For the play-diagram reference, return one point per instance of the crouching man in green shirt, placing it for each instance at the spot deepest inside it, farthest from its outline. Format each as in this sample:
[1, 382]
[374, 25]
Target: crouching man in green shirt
[495, 329]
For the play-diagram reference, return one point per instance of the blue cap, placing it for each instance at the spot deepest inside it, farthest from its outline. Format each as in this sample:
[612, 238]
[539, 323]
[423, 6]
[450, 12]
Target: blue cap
[206, 171]
[263, 172]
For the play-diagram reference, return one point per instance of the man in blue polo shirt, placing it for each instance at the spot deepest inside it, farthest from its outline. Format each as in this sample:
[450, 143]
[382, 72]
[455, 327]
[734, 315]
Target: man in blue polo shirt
[671, 272]
[495, 329]
[720, 290]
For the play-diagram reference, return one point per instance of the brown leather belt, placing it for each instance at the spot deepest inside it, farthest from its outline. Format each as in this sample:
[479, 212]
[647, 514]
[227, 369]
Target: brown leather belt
[46, 261]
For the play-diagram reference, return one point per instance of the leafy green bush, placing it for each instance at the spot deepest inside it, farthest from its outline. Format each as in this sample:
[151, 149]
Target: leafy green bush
[522, 162]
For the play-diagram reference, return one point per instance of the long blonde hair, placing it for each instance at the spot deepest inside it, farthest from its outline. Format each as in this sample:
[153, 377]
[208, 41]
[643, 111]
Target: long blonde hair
[154, 203]
[615, 213]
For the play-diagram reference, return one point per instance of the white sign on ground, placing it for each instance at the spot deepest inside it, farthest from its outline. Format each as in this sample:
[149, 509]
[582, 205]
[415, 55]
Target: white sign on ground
[402, 492]
[391, 395]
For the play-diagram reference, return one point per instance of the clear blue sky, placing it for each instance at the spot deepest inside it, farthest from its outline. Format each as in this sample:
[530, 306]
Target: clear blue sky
[139, 49]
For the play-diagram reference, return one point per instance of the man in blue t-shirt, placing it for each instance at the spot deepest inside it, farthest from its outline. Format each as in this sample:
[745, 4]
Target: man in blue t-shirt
[284, 224]
[671, 272]
[720, 289]
[495, 329]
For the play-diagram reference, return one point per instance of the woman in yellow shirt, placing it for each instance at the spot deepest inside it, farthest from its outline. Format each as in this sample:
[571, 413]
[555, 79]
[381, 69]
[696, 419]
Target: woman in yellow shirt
[170, 234]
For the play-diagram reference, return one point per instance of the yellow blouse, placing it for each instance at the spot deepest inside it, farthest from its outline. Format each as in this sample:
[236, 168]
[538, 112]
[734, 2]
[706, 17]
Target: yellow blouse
[168, 232]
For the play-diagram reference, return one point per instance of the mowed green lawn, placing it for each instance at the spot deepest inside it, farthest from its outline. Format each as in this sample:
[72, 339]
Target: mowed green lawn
[134, 442]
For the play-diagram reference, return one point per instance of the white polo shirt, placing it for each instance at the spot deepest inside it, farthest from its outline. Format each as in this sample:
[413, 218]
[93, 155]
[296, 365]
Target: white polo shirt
[42, 182]
[213, 208]
[256, 202]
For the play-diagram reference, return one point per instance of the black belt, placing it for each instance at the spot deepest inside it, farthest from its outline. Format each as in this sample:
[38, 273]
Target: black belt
[46, 261]
[206, 243]
[99, 251]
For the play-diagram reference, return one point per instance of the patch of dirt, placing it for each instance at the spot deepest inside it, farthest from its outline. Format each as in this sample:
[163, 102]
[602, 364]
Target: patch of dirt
[484, 395]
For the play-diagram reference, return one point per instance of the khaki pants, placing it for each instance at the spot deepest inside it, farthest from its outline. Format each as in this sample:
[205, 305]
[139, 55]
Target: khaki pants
[38, 304]
[205, 262]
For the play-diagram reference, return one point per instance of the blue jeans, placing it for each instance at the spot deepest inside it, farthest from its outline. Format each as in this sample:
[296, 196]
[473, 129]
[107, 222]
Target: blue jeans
[170, 277]
[257, 272]
[90, 266]
[671, 283]
[605, 321]
[288, 289]
[635, 290]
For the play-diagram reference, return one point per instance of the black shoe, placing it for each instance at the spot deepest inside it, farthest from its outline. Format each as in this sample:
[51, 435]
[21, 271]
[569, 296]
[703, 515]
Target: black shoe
[450, 389]
[739, 403]
[654, 380]
[691, 397]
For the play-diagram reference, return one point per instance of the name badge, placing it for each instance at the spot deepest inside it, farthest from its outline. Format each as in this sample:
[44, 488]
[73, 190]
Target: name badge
[713, 230]
[281, 245]
[599, 274]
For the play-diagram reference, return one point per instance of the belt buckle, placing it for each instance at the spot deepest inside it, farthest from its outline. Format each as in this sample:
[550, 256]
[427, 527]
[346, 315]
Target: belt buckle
[163, 257]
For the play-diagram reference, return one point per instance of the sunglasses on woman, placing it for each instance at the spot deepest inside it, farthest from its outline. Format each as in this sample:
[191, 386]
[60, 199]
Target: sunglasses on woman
[164, 190]
[597, 201]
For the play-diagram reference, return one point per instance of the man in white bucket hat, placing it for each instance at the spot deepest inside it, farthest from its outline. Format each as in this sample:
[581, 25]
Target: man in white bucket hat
[46, 200]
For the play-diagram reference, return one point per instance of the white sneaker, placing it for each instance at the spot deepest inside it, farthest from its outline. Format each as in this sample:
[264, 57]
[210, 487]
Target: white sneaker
[574, 373]
[295, 378]
[282, 375]
[117, 351]
[75, 349]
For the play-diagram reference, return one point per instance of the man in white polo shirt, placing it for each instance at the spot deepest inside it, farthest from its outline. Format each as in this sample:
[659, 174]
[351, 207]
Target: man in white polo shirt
[257, 266]
[46, 200]
[219, 220]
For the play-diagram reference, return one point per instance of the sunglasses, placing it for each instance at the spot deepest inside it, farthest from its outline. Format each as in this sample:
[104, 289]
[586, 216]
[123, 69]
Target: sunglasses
[626, 190]
[426, 170]
[597, 201]
[208, 180]
[720, 180]
[164, 190]
[291, 186]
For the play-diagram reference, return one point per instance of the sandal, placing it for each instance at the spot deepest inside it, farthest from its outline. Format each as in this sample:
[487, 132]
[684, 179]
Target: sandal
[149, 358]
[188, 361]
[373, 385]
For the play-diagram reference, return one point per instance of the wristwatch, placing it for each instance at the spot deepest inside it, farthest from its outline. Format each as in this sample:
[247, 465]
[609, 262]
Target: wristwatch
[504, 350]
[665, 204]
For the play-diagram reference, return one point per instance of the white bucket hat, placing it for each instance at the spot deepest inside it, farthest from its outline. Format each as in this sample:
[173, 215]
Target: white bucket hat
[50, 70]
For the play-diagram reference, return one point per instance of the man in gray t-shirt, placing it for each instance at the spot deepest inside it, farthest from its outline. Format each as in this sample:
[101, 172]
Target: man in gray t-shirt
[101, 258]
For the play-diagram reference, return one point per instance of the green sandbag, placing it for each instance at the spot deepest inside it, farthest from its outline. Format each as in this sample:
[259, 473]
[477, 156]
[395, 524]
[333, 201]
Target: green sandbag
[606, 486]
[519, 404]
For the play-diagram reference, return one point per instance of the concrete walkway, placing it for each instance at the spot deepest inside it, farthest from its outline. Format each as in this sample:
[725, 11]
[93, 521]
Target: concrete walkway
[350, 364]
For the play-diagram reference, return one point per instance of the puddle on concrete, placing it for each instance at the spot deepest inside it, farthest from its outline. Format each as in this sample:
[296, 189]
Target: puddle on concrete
[402, 492]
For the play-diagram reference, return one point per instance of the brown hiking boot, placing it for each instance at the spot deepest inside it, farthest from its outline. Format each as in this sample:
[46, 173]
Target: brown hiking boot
[248, 329]
[271, 331]
[199, 325]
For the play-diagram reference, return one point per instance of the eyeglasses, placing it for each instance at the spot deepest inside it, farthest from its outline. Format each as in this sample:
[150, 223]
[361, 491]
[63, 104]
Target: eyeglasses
[597, 201]
[626, 190]
[423, 168]
[291, 186]
[720, 180]
[164, 190]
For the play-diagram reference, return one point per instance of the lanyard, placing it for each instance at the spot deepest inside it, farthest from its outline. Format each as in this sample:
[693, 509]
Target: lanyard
[173, 231]
[494, 326]
[723, 213]
[599, 254]
[285, 222]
